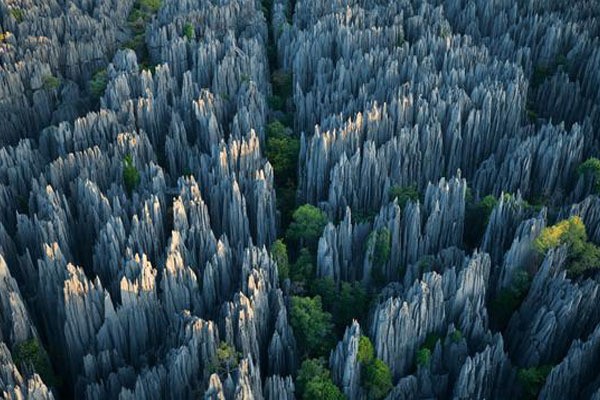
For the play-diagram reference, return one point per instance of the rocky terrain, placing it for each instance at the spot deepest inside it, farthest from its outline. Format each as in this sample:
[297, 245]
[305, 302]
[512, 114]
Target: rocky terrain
[299, 199]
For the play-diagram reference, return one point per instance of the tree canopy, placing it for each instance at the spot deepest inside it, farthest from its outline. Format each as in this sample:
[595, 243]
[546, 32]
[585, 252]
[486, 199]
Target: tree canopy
[314, 382]
[307, 225]
[376, 378]
[583, 255]
[280, 256]
[312, 326]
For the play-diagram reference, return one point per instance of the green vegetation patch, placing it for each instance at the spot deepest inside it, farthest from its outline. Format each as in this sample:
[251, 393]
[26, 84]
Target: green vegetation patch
[582, 254]
[591, 167]
[280, 256]
[532, 380]
[307, 225]
[50, 82]
[404, 194]
[131, 176]
[312, 326]
[314, 382]
[477, 216]
[31, 352]
[98, 83]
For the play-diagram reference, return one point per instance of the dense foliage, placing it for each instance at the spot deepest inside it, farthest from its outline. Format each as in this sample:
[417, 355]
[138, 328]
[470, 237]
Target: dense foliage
[532, 380]
[307, 225]
[280, 256]
[314, 382]
[477, 215]
[591, 167]
[31, 352]
[131, 176]
[582, 254]
[404, 194]
[509, 299]
[376, 378]
[312, 326]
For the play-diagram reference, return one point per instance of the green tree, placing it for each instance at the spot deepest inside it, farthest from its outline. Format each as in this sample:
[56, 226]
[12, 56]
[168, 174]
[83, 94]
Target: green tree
[423, 357]
[477, 216]
[314, 382]
[366, 351]
[326, 289]
[377, 379]
[431, 340]
[303, 270]
[323, 389]
[50, 82]
[582, 256]
[509, 299]
[591, 167]
[131, 176]
[280, 256]
[282, 84]
[98, 83]
[404, 194]
[31, 352]
[282, 152]
[456, 336]
[188, 31]
[150, 6]
[382, 240]
[532, 380]
[312, 326]
[307, 225]
[227, 359]
[352, 303]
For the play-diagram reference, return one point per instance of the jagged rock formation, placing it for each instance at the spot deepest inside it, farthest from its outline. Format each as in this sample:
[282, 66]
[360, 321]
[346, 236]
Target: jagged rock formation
[135, 223]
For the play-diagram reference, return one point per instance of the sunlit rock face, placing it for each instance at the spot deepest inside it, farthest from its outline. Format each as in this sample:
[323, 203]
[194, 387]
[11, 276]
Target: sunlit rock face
[139, 197]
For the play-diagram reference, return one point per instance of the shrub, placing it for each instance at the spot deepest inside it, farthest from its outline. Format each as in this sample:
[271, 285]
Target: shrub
[17, 14]
[307, 225]
[381, 252]
[282, 152]
[509, 299]
[532, 380]
[276, 102]
[31, 352]
[188, 31]
[570, 232]
[582, 256]
[282, 84]
[280, 256]
[303, 270]
[404, 194]
[423, 357]
[50, 82]
[366, 352]
[227, 359]
[591, 167]
[131, 176]
[312, 326]
[352, 303]
[381, 240]
[314, 382]
[477, 216]
[456, 336]
[151, 6]
[98, 83]
[376, 379]
[431, 340]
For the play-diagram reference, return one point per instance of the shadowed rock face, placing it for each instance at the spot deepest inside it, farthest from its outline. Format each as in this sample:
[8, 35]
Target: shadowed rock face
[137, 205]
